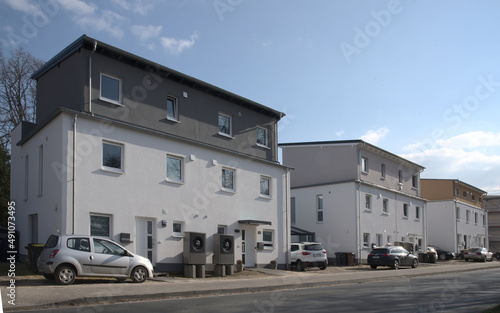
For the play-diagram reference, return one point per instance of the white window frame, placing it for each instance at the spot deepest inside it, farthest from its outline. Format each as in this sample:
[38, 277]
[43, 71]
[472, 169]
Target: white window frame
[120, 170]
[221, 229]
[230, 135]
[379, 240]
[417, 212]
[467, 216]
[174, 118]
[385, 205]
[120, 90]
[170, 179]
[406, 210]
[175, 233]
[476, 219]
[268, 245]
[269, 183]
[368, 202]
[457, 210]
[414, 181]
[266, 138]
[366, 240]
[110, 224]
[320, 205]
[364, 165]
[224, 188]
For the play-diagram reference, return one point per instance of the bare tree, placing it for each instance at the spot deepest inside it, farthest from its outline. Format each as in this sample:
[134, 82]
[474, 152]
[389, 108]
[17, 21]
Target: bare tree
[17, 90]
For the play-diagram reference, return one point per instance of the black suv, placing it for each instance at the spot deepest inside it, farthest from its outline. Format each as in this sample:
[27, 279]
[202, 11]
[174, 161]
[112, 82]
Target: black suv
[391, 256]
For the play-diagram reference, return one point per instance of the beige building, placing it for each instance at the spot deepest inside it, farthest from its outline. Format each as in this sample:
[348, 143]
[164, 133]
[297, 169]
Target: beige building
[492, 206]
[456, 217]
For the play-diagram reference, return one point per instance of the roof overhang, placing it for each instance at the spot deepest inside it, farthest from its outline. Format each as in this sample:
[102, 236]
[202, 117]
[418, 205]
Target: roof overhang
[254, 222]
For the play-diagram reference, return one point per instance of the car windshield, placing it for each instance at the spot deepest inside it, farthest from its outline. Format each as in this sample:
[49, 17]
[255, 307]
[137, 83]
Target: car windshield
[52, 241]
[380, 251]
[314, 247]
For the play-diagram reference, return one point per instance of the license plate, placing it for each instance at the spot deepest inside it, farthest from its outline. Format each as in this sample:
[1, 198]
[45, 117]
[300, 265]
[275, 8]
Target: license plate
[376, 257]
[316, 255]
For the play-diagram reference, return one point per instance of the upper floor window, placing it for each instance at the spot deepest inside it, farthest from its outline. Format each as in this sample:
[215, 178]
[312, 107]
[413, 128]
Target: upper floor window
[458, 213]
[456, 191]
[484, 219]
[405, 209]
[368, 202]
[172, 111]
[385, 205]
[382, 170]
[228, 179]
[265, 186]
[174, 168]
[225, 125]
[475, 218]
[400, 176]
[417, 212]
[464, 194]
[262, 136]
[473, 197]
[111, 89]
[319, 207]
[112, 156]
[364, 165]
[467, 216]
[414, 181]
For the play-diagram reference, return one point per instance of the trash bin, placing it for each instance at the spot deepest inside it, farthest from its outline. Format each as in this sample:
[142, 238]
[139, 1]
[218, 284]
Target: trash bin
[34, 250]
[340, 259]
[432, 257]
[350, 259]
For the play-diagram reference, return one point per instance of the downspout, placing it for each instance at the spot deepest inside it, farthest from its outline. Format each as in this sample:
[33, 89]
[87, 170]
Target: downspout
[358, 209]
[287, 217]
[74, 172]
[90, 76]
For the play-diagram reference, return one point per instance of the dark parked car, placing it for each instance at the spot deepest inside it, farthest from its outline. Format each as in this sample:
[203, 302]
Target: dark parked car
[443, 254]
[391, 256]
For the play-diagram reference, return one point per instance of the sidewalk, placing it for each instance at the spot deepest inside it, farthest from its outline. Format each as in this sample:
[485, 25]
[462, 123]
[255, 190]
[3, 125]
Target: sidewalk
[39, 293]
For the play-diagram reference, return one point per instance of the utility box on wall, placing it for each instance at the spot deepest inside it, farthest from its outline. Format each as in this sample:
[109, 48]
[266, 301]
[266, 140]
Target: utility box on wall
[223, 249]
[194, 248]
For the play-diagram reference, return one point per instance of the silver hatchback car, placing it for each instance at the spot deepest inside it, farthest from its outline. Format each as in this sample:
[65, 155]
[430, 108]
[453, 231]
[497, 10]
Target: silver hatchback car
[65, 257]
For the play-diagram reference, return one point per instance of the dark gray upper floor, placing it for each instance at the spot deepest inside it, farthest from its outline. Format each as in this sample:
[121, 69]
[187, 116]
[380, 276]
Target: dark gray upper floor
[133, 90]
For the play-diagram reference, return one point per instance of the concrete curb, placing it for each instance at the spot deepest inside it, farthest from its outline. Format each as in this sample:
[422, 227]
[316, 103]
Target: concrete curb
[240, 290]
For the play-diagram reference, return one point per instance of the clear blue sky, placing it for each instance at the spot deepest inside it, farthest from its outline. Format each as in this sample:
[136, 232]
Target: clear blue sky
[418, 78]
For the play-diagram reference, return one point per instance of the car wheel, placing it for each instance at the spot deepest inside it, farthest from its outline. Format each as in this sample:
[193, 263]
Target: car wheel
[300, 266]
[139, 274]
[322, 266]
[466, 260]
[49, 276]
[373, 267]
[395, 265]
[442, 257]
[414, 264]
[65, 275]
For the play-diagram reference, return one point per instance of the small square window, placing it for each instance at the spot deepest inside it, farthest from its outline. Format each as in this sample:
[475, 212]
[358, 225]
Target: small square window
[177, 228]
[221, 229]
[265, 186]
[172, 112]
[112, 155]
[225, 125]
[111, 89]
[262, 136]
[228, 179]
[174, 168]
[267, 238]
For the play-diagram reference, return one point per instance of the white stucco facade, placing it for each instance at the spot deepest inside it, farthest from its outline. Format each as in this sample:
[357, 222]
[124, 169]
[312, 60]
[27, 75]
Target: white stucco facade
[76, 186]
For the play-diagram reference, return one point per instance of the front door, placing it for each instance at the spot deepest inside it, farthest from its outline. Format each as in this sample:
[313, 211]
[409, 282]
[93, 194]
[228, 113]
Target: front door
[145, 239]
[248, 246]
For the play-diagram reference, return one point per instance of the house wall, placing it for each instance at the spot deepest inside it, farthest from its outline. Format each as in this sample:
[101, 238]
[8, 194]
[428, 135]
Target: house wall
[437, 189]
[492, 206]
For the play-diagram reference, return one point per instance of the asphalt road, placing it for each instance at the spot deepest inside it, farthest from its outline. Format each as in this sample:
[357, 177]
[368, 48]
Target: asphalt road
[458, 292]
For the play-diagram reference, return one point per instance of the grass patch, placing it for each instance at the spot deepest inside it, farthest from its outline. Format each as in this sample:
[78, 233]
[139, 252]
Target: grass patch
[495, 309]
[21, 269]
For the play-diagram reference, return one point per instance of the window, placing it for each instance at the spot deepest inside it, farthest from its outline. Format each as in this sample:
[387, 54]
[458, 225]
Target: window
[267, 238]
[292, 210]
[400, 173]
[366, 240]
[368, 202]
[389, 239]
[414, 181]
[100, 225]
[227, 179]
[319, 208]
[382, 170]
[174, 169]
[177, 228]
[379, 240]
[262, 136]
[81, 244]
[40, 170]
[458, 213]
[221, 229]
[265, 186]
[467, 216]
[385, 205]
[417, 212]
[456, 192]
[111, 89]
[172, 111]
[33, 228]
[405, 210]
[484, 219]
[473, 197]
[364, 165]
[26, 175]
[112, 155]
[225, 125]
[464, 194]
[107, 247]
[475, 218]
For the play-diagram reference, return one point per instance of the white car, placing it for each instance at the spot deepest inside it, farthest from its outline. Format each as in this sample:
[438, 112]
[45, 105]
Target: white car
[65, 257]
[480, 254]
[308, 254]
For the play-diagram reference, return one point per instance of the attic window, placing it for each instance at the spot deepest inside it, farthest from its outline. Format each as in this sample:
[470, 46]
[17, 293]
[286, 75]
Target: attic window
[111, 89]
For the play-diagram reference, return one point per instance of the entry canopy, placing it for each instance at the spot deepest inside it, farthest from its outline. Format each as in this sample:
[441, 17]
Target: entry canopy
[254, 222]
